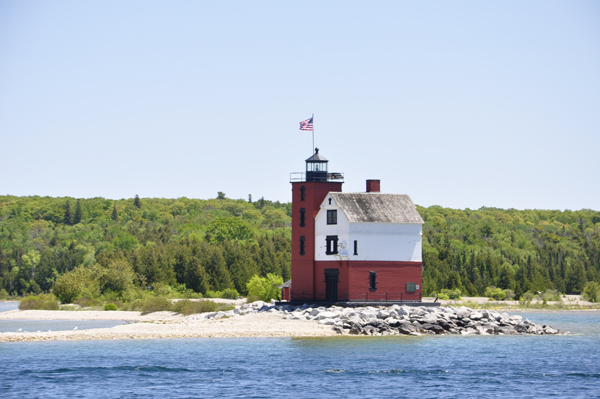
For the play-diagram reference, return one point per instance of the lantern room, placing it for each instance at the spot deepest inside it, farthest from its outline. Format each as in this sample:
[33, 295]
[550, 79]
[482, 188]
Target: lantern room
[316, 167]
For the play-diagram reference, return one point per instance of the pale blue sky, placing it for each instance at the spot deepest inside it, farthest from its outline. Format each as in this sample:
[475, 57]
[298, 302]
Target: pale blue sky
[459, 104]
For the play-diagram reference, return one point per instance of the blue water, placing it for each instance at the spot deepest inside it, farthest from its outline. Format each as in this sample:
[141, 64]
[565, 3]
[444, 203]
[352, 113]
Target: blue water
[341, 367]
[55, 325]
[6, 306]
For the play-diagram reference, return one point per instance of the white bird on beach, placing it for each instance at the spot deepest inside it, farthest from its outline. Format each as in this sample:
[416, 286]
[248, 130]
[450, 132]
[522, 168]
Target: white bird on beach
[75, 328]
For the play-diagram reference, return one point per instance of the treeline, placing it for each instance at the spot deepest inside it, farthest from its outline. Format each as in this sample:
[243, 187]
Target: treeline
[530, 250]
[202, 244]
[213, 245]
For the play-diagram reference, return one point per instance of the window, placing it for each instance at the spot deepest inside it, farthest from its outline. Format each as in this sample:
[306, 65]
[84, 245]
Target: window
[302, 193]
[332, 216]
[302, 240]
[302, 217]
[372, 281]
[355, 247]
[329, 200]
[411, 287]
[332, 245]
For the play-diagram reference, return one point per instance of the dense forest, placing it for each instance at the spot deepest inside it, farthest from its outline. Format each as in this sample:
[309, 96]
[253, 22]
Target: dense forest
[221, 243]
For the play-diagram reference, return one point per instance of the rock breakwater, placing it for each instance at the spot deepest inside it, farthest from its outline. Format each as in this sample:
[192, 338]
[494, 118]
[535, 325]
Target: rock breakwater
[400, 320]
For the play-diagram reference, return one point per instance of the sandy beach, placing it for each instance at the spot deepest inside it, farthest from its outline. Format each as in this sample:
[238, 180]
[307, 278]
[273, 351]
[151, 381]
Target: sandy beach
[164, 325]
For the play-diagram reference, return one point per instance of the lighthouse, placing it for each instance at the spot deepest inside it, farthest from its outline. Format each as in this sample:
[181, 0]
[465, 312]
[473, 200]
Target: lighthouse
[309, 189]
[352, 247]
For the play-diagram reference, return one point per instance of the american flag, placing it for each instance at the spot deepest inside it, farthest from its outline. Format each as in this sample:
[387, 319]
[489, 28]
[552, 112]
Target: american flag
[307, 125]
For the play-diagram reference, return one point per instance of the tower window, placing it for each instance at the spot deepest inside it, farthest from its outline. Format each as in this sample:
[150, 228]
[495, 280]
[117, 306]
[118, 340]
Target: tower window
[302, 249]
[355, 247]
[329, 200]
[332, 245]
[302, 193]
[332, 216]
[372, 281]
[302, 217]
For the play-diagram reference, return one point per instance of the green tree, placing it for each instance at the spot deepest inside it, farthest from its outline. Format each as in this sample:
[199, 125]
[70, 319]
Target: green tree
[196, 277]
[125, 241]
[506, 279]
[137, 202]
[265, 288]
[118, 276]
[576, 279]
[115, 215]
[221, 195]
[591, 291]
[68, 219]
[78, 213]
[223, 228]
[75, 284]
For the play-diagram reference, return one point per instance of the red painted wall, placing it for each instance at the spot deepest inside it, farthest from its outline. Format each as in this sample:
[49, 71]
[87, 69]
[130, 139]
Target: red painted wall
[303, 273]
[285, 294]
[354, 280]
[343, 278]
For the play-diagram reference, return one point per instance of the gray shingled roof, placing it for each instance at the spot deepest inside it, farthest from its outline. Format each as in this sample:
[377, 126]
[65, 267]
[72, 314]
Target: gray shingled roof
[377, 208]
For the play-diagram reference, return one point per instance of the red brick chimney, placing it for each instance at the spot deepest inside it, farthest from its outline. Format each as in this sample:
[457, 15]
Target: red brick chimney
[373, 186]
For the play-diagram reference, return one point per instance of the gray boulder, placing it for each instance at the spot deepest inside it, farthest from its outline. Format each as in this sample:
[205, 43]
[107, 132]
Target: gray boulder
[463, 313]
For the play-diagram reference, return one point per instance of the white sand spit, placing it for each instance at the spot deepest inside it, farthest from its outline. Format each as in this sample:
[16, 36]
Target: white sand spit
[170, 325]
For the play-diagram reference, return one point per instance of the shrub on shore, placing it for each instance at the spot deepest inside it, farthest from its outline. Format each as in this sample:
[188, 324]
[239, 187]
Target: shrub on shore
[230, 293]
[154, 304]
[186, 306]
[497, 294]
[39, 302]
[75, 284]
[252, 298]
[549, 295]
[227, 293]
[265, 288]
[110, 306]
[447, 294]
[86, 302]
[526, 299]
[510, 294]
[591, 291]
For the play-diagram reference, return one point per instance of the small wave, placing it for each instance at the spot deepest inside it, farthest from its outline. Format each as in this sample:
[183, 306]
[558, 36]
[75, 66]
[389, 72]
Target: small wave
[152, 369]
[334, 371]
[583, 375]
[400, 371]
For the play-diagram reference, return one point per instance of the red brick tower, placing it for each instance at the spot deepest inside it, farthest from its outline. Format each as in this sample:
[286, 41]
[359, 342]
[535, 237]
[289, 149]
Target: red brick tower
[309, 189]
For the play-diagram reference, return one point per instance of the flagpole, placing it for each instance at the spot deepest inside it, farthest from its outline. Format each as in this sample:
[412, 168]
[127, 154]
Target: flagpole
[313, 130]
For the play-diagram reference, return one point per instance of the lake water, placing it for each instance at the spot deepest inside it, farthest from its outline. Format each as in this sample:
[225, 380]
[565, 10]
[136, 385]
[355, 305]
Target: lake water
[53, 325]
[566, 366]
[6, 306]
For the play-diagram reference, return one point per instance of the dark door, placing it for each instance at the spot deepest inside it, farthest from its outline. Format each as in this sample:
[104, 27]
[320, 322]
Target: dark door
[331, 284]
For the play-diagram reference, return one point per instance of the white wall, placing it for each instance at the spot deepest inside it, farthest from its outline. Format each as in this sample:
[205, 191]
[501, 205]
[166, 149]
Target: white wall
[376, 241]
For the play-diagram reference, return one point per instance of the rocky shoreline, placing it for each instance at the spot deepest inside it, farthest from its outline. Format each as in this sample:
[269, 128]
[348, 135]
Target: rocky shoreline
[399, 320]
[260, 319]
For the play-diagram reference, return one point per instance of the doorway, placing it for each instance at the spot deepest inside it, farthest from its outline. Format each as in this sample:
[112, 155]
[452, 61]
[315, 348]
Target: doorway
[331, 284]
